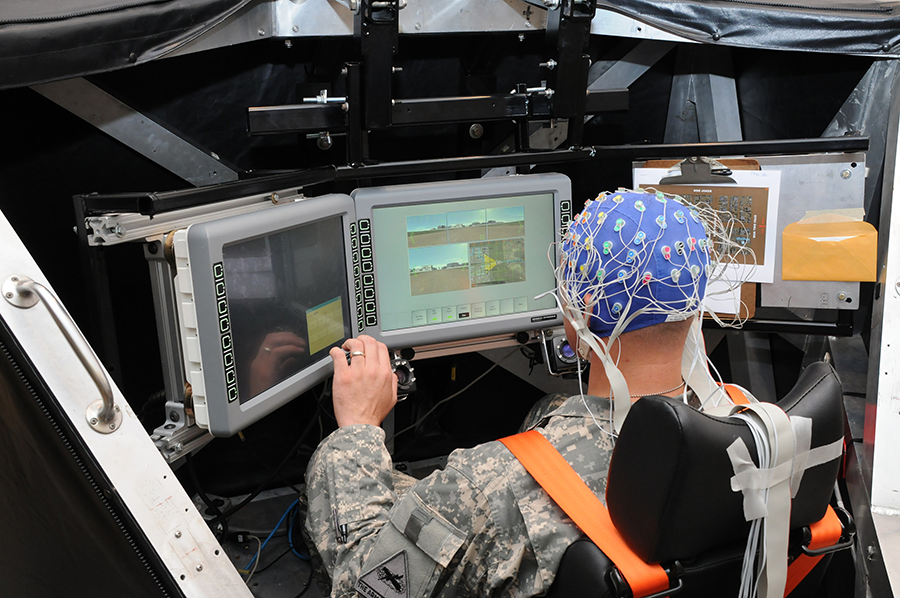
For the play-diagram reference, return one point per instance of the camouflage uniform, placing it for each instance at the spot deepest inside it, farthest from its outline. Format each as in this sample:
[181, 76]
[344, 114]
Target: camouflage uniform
[480, 527]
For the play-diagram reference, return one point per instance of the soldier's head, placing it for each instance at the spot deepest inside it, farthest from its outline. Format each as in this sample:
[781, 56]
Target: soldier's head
[632, 260]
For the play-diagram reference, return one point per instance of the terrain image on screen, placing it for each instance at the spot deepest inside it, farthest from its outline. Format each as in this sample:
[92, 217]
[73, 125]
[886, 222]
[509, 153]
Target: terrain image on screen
[453, 251]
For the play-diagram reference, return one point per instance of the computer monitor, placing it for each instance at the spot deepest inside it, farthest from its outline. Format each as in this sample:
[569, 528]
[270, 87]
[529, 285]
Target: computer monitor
[454, 260]
[262, 298]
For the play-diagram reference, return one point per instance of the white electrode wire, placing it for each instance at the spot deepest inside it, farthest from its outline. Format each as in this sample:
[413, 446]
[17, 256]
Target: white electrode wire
[255, 560]
[756, 540]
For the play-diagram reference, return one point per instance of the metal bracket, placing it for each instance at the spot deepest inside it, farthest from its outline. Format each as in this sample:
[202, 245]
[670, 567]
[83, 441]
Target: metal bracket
[122, 228]
[103, 415]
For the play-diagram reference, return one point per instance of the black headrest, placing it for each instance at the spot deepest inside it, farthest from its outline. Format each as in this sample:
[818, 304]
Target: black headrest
[669, 490]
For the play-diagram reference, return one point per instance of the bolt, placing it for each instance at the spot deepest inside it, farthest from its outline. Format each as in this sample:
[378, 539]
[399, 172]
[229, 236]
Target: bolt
[841, 296]
[261, 32]
[119, 230]
[178, 533]
[551, 4]
[401, 4]
[14, 278]
[397, 69]
[178, 447]
[418, 26]
[275, 197]
[112, 426]
[93, 421]
[295, 29]
[845, 174]
[476, 131]
[354, 5]
[199, 568]
[324, 141]
[549, 65]
[173, 415]
[9, 295]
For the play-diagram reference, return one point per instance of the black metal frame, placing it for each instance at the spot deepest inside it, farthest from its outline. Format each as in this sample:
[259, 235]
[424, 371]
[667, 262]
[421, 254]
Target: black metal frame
[152, 203]
[370, 104]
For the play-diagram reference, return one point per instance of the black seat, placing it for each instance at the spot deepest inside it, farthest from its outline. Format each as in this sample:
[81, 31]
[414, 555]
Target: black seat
[669, 493]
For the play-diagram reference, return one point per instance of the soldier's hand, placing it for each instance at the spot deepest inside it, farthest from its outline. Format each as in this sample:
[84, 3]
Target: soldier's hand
[364, 391]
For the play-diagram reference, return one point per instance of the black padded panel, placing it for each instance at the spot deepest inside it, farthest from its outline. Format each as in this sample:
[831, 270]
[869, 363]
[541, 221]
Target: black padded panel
[669, 491]
[65, 532]
[582, 572]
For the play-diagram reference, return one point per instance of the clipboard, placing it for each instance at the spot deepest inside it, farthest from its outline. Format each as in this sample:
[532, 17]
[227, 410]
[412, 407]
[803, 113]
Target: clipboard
[701, 171]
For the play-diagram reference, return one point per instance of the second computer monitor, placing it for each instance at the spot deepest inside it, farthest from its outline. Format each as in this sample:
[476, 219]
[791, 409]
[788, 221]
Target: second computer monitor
[438, 262]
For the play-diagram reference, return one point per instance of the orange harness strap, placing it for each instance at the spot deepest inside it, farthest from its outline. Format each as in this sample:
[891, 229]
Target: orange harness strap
[737, 397]
[825, 532]
[569, 491]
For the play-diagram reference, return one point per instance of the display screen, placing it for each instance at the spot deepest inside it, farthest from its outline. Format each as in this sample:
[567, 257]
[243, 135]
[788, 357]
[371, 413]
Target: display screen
[288, 300]
[458, 260]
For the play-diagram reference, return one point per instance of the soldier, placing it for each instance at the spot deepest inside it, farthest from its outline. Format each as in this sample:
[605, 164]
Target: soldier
[631, 281]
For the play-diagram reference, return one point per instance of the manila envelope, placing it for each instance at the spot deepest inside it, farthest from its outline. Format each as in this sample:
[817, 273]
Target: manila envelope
[829, 247]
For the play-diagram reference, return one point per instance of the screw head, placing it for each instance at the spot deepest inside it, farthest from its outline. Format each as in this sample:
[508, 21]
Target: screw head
[295, 28]
[14, 278]
[93, 421]
[112, 426]
[261, 32]
[199, 568]
[178, 533]
[9, 295]
[845, 174]
[842, 296]
[476, 131]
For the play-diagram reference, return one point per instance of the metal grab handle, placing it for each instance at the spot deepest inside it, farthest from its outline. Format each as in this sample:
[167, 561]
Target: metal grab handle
[103, 415]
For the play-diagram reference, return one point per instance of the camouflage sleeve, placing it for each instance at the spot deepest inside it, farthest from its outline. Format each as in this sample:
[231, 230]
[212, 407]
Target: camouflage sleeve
[455, 533]
[350, 492]
[447, 536]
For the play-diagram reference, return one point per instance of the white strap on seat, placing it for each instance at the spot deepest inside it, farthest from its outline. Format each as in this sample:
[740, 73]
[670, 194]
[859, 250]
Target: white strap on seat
[783, 447]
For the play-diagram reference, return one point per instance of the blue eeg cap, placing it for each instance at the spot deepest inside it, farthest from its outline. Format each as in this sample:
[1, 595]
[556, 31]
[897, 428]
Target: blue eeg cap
[652, 249]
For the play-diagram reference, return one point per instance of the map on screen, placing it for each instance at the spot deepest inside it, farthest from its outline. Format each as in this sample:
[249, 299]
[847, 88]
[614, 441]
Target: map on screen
[452, 251]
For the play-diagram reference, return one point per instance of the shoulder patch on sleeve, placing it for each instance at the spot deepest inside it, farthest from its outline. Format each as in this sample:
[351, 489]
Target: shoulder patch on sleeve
[387, 580]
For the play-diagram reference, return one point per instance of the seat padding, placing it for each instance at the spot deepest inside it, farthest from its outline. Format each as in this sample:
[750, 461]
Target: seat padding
[669, 490]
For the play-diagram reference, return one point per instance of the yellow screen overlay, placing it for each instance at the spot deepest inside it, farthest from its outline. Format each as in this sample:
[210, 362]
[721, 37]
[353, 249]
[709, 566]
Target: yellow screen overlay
[325, 324]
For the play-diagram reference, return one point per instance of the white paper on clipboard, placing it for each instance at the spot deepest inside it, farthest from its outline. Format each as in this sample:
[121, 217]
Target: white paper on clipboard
[743, 199]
